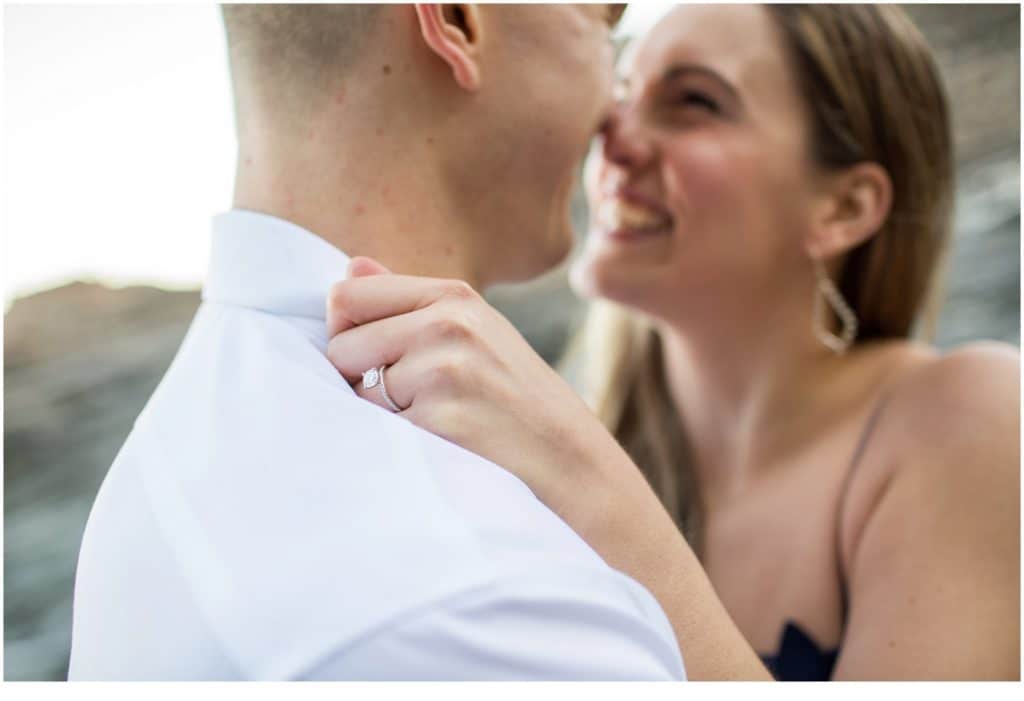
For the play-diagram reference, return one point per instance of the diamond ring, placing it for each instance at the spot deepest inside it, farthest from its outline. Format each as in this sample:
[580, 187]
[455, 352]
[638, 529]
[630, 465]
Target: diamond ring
[374, 377]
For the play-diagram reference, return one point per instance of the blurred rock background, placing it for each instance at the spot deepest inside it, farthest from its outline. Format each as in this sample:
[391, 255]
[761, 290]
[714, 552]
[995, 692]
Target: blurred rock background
[81, 360]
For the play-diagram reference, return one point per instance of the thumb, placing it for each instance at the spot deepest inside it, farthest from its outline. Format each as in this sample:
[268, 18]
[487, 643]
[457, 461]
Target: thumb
[361, 266]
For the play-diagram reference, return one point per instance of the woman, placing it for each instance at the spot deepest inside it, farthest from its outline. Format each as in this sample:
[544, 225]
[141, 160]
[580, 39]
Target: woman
[849, 497]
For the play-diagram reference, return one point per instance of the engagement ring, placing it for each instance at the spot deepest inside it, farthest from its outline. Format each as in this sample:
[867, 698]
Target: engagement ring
[374, 377]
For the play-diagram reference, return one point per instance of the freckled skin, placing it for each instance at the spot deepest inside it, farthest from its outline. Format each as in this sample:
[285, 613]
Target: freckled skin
[387, 69]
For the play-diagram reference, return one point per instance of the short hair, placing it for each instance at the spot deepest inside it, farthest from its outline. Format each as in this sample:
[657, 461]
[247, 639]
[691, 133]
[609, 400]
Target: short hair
[285, 56]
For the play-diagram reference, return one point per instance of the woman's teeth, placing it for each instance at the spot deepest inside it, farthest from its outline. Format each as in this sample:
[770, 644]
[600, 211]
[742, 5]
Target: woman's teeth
[618, 214]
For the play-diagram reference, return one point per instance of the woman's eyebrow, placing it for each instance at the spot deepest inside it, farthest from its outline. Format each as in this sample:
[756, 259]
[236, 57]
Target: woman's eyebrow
[682, 69]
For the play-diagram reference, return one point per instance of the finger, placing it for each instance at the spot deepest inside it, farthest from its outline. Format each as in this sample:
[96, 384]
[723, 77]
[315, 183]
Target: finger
[362, 266]
[394, 383]
[376, 343]
[364, 299]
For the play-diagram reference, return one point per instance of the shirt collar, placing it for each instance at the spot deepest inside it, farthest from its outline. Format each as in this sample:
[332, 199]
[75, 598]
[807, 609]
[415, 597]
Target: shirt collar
[269, 264]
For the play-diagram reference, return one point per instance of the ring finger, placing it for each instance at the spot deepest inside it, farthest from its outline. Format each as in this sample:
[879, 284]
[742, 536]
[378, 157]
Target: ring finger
[385, 382]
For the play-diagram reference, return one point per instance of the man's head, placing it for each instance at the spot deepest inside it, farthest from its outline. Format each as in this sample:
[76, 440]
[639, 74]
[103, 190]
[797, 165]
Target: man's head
[478, 114]
[284, 58]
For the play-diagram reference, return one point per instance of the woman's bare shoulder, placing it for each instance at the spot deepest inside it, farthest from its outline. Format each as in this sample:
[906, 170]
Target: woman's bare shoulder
[923, 386]
[937, 506]
[945, 396]
[949, 426]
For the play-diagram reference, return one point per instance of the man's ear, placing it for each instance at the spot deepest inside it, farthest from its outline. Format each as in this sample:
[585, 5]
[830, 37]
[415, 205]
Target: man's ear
[453, 33]
[854, 207]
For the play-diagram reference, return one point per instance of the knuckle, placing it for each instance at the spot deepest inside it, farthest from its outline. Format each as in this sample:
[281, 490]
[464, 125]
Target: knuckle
[335, 351]
[445, 374]
[340, 295]
[340, 301]
[454, 376]
[452, 327]
[459, 289]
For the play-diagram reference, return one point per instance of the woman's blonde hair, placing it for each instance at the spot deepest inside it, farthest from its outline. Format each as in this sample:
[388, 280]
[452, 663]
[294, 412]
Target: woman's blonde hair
[873, 93]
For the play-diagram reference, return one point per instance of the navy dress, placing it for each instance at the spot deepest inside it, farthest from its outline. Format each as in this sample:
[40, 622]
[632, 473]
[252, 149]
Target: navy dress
[799, 658]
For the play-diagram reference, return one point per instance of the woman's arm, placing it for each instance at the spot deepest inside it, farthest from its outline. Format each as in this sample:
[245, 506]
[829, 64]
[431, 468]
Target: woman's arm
[461, 370]
[634, 534]
[932, 539]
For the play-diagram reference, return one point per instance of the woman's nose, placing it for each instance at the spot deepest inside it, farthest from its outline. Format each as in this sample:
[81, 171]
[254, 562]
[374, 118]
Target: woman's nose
[623, 139]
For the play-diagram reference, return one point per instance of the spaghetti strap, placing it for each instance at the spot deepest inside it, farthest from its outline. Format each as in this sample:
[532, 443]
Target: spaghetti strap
[858, 452]
[798, 656]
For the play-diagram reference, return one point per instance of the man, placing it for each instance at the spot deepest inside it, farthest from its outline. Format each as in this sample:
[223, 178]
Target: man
[264, 522]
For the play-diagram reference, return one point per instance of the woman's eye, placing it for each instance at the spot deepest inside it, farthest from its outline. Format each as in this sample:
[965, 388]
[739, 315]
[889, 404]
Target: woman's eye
[692, 98]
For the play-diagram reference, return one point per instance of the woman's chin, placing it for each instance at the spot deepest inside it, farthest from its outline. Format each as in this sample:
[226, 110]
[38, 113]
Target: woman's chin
[593, 280]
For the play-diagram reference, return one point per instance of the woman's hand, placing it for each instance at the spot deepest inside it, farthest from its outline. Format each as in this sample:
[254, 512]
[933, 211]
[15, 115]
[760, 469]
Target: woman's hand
[457, 368]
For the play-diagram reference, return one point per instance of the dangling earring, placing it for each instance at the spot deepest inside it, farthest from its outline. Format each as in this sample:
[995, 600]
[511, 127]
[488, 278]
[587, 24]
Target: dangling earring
[827, 291]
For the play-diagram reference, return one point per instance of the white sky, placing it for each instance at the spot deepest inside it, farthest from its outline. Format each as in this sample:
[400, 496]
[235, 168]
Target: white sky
[120, 142]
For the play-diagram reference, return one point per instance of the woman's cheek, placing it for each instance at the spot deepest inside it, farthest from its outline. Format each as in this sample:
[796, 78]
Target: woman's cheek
[714, 194]
[704, 178]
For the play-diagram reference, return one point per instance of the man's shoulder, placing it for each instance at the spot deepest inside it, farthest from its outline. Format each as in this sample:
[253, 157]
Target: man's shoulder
[241, 370]
[252, 401]
[306, 496]
[251, 397]
[560, 622]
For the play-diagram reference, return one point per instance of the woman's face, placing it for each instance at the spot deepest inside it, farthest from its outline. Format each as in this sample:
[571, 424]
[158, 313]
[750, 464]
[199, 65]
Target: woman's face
[701, 188]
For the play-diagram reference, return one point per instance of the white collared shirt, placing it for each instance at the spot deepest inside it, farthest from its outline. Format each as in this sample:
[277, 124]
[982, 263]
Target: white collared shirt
[262, 521]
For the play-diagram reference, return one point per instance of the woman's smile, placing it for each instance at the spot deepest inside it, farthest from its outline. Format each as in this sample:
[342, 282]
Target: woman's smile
[624, 220]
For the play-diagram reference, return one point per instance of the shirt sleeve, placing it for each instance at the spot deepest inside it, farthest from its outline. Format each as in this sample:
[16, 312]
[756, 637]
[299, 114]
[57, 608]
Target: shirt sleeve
[534, 627]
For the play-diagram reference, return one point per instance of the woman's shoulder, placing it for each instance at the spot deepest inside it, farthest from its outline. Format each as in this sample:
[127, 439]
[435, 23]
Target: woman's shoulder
[929, 404]
[948, 432]
[937, 397]
[944, 415]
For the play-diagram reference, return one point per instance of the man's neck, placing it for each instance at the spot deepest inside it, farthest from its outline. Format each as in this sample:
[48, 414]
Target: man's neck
[372, 197]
